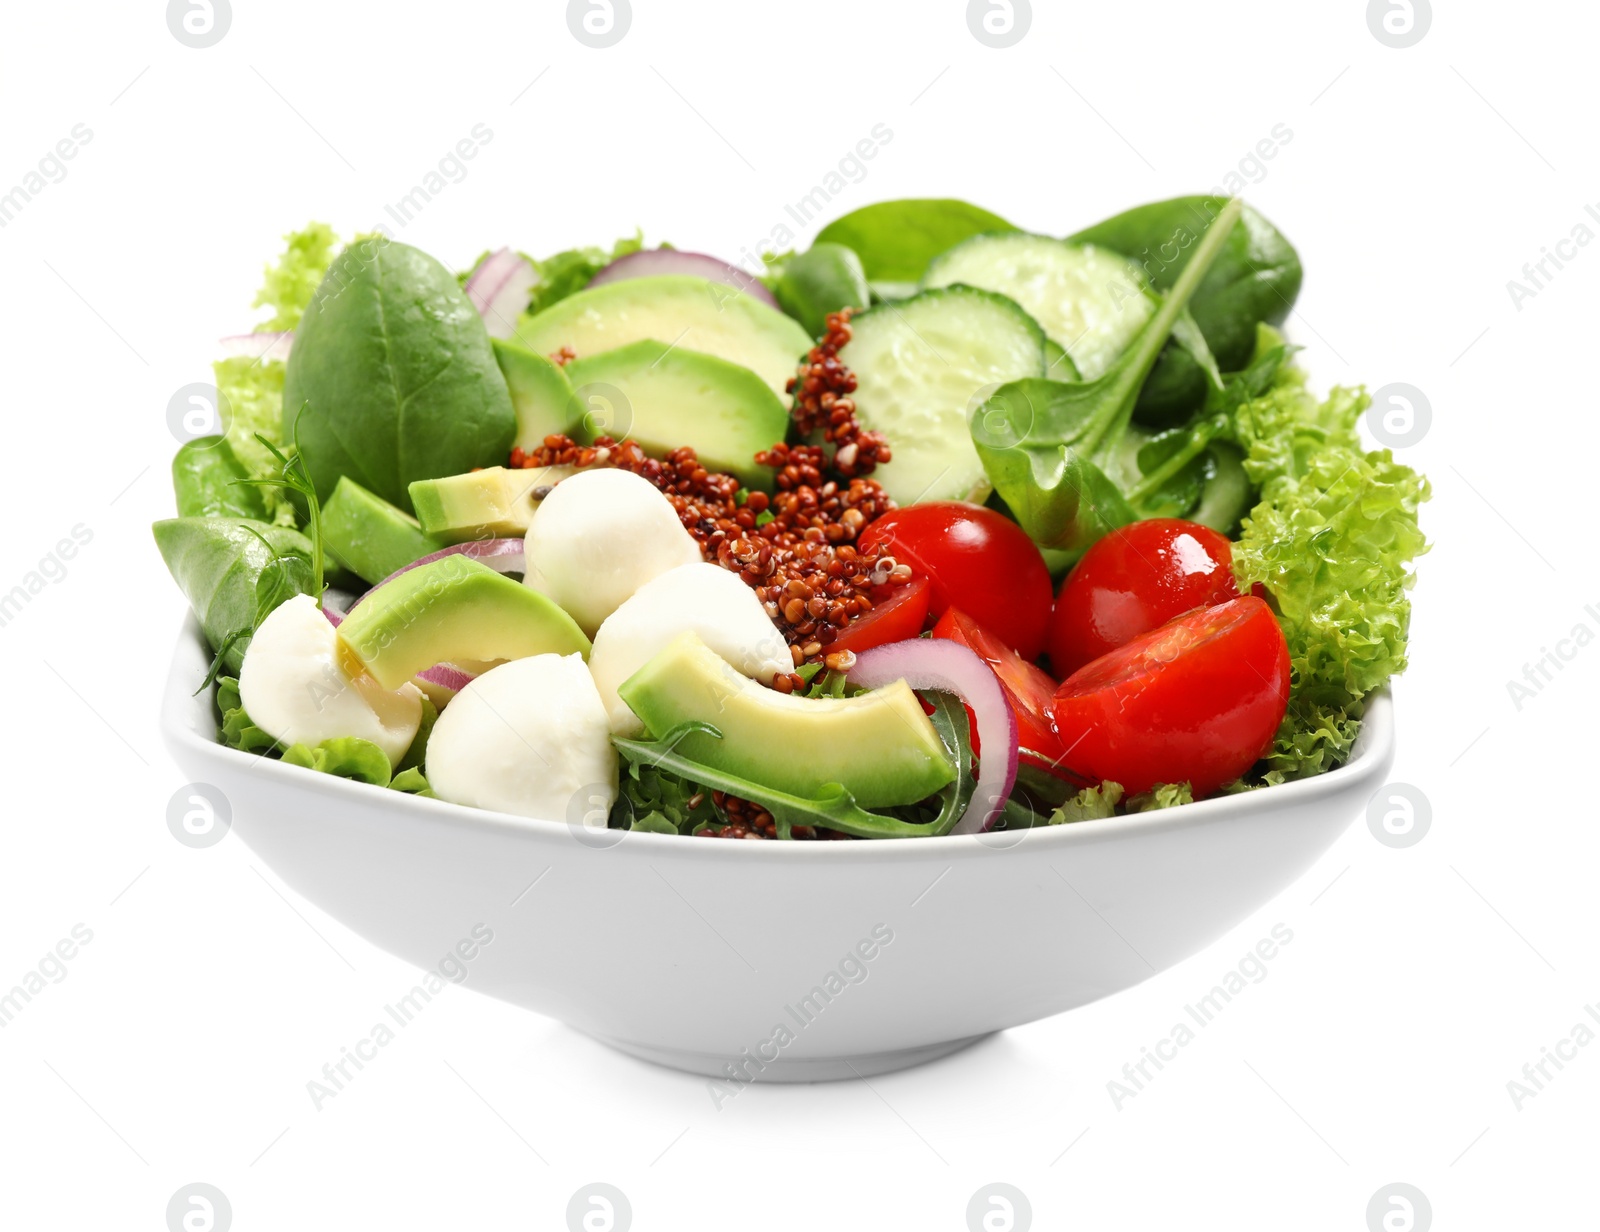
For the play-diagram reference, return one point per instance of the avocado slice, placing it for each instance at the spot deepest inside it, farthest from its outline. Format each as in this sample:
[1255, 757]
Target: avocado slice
[879, 746]
[672, 396]
[541, 395]
[493, 503]
[709, 317]
[372, 537]
[448, 610]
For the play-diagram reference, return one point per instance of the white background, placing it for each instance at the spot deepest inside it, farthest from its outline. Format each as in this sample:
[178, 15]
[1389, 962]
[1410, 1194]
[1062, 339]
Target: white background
[1419, 981]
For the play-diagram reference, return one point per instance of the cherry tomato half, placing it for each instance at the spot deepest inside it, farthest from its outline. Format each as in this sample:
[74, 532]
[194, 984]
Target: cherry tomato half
[1197, 700]
[978, 560]
[1027, 688]
[899, 614]
[1135, 579]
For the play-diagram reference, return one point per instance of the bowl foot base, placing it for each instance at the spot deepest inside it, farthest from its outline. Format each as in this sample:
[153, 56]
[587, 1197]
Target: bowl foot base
[794, 1069]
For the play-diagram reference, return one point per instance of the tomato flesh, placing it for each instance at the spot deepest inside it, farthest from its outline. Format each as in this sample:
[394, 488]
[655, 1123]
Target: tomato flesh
[1135, 579]
[1028, 689]
[1197, 700]
[895, 616]
[976, 559]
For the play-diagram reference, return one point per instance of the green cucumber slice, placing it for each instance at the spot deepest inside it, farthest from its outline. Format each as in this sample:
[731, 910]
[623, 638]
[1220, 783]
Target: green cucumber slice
[1090, 300]
[922, 366]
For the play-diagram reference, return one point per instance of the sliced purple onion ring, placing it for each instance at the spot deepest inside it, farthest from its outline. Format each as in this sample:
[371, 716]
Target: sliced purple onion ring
[949, 667]
[501, 288]
[262, 346]
[652, 262]
[501, 555]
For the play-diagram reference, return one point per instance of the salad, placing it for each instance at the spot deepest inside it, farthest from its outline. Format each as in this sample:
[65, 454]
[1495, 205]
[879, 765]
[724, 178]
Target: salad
[936, 527]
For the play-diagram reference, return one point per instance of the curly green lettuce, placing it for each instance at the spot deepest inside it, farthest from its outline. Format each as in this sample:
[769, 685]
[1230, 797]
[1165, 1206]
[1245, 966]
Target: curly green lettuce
[565, 272]
[289, 285]
[1331, 541]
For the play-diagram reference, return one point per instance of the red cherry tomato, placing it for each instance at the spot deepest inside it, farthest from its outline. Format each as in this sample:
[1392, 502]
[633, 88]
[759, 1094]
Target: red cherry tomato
[976, 559]
[898, 615]
[1136, 579]
[1197, 700]
[1027, 688]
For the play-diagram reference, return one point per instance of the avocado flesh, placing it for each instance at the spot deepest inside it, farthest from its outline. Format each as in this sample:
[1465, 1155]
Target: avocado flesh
[372, 537]
[879, 746]
[494, 503]
[672, 396]
[709, 317]
[541, 395]
[447, 611]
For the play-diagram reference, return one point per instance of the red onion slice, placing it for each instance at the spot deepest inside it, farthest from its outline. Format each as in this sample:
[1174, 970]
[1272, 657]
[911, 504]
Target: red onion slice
[262, 346]
[501, 555]
[949, 667]
[501, 289]
[652, 262]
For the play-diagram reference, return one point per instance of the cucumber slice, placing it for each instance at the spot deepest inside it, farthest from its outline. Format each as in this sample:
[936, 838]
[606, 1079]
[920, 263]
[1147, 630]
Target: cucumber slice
[920, 366]
[1058, 364]
[1090, 300]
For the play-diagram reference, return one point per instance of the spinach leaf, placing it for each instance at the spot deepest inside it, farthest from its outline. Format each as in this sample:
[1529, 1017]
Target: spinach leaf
[1254, 279]
[823, 279]
[398, 372]
[219, 563]
[204, 472]
[1045, 444]
[896, 239]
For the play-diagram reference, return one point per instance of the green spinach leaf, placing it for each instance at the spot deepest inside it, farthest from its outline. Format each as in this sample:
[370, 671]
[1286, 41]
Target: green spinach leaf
[399, 375]
[1254, 279]
[896, 239]
[218, 563]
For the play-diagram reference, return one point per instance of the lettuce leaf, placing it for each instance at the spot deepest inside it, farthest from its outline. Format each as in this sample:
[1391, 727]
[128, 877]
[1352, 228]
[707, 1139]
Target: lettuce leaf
[1161, 796]
[1090, 804]
[348, 757]
[1331, 542]
[565, 272]
[288, 285]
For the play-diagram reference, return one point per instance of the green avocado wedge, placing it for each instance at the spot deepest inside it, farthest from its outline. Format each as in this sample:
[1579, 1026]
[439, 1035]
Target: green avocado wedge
[680, 310]
[369, 535]
[448, 610]
[879, 746]
[664, 396]
[392, 377]
[541, 395]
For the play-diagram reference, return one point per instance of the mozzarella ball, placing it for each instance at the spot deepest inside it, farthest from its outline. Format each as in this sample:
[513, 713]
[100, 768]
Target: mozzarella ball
[528, 737]
[701, 598]
[292, 687]
[598, 537]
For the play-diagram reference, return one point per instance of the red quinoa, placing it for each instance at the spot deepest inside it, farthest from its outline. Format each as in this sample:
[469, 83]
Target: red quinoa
[796, 547]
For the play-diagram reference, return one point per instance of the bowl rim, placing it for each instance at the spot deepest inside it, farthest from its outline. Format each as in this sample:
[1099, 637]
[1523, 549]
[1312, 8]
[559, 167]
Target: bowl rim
[186, 714]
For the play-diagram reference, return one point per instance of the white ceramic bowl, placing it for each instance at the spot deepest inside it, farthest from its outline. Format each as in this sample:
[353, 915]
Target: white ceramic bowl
[777, 961]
